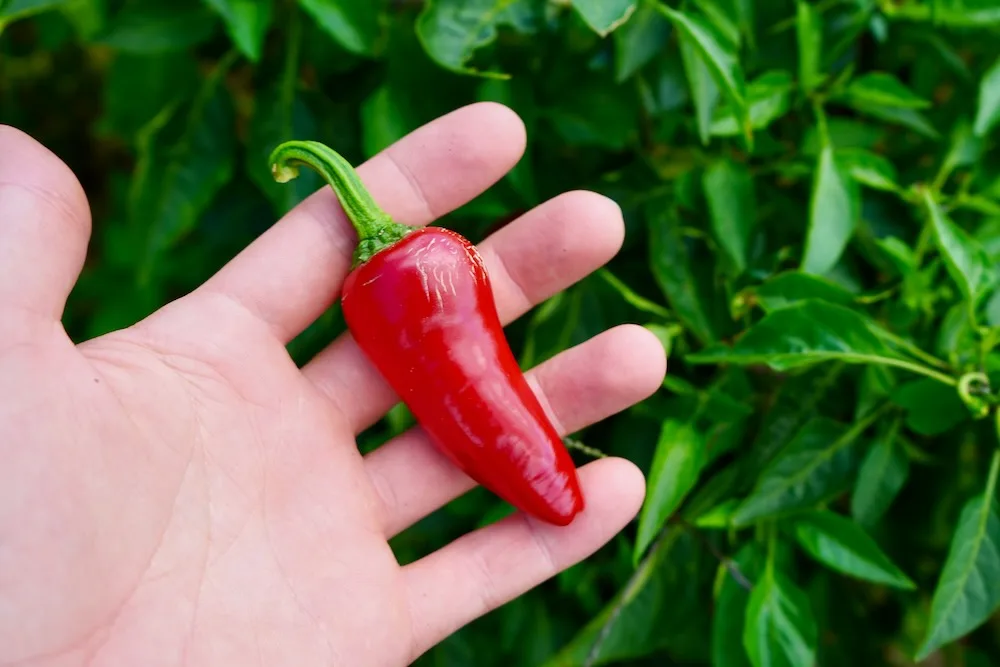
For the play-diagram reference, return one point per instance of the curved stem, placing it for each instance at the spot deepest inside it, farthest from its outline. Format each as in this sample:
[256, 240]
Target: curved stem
[977, 404]
[376, 229]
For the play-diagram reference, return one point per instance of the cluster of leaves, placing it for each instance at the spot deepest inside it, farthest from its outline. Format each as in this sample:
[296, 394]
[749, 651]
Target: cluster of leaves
[813, 215]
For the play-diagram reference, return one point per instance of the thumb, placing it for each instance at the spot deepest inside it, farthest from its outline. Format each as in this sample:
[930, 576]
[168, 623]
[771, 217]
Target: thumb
[44, 231]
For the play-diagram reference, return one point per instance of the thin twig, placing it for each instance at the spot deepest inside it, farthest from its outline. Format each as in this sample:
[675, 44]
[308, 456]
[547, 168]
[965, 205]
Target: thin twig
[731, 566]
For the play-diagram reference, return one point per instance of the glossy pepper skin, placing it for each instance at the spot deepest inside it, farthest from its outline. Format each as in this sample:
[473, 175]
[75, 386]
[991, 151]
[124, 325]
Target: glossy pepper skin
[420, 306]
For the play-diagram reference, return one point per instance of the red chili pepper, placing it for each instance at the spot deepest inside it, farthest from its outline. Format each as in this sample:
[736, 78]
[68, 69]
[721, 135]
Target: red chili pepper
[420, 306]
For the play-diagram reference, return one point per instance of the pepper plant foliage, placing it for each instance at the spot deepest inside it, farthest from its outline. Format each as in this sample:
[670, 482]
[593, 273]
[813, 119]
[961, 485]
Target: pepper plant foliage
[812, 198]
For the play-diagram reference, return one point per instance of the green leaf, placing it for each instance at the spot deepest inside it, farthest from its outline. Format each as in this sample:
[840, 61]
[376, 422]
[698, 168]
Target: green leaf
[780, 629]
[247, 22]
[604, 16]
[833, 214]
[803, 334]
[993, 310]
[720, 516]
[809, 34]
[883, 472]
[815, 466]
[844, 546]
[961, 13]
[683, 276]
[138, 87]
[791, 287]
[966, 260]
[968, 591]
[868, 169]
[705, 93]
[883, 89]
[874, 388]
[160, 26]
[666, 337]
[729, 190]
[677, 464]
[384, 120]
[906, 117]
[19, 9]
[451, 31]
[652, 612]
[632, 298]
[731, 607]
[931, 408]
[768, 97]
[354, 24]
[718, 56]
[988, 111]
[591, 113]
[965, 149]
[186, 156]
[639, 39]
[722, 18]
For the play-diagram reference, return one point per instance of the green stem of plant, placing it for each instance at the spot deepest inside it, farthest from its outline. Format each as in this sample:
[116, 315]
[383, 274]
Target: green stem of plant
[991, 481]
[922, 370]
[915, 350]
[375, 228]
[573, 443]
[821, 125]
[923, 243]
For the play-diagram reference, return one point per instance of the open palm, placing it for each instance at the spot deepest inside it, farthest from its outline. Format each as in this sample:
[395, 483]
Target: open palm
[180, 492]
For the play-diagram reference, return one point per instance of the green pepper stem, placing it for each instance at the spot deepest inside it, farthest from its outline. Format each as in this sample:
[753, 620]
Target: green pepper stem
[375, 228]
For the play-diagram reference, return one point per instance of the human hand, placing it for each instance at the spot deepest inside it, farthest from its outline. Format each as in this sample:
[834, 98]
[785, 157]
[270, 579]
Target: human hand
[180, 492]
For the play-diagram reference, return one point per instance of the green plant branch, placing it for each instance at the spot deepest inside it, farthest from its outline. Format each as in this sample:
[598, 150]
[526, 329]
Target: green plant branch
[922, 370]
[915, 350]
[732, 567]
[664, 541]
[991, 481]
[573, 443]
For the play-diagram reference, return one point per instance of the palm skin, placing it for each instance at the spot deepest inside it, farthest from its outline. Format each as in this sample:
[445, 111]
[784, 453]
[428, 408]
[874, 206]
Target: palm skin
[181, 493]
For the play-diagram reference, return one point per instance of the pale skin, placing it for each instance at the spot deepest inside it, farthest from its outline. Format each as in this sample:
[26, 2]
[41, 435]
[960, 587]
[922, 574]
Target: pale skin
[180, 492]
